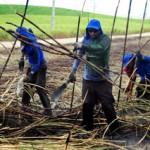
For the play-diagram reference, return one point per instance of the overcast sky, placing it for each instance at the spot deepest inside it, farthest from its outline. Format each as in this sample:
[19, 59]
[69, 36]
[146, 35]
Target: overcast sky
[97, 6]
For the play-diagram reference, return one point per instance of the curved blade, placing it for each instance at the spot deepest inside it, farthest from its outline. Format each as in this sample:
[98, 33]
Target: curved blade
[56, 95]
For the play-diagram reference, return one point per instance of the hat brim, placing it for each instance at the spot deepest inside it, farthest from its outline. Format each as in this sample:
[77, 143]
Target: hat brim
[93, 27]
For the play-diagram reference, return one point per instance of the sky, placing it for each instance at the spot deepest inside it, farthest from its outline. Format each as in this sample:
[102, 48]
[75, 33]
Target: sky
[107, 7]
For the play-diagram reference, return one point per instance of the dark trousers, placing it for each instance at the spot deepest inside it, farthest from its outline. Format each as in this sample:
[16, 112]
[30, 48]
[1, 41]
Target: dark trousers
[39, 80]
[94, 92]
[143, 90]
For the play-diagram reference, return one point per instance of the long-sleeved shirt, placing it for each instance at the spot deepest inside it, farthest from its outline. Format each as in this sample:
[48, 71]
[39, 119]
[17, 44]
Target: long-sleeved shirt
[142, 66]
[35, 56]
[97, 52]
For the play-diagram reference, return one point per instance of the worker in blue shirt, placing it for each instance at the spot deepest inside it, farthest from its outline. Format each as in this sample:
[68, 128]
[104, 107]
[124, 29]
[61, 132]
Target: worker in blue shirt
[36, 72]
[142, 69]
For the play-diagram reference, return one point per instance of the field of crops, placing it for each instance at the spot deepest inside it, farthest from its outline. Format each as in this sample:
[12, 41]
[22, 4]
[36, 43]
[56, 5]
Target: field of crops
[29, 130]
[66, 21]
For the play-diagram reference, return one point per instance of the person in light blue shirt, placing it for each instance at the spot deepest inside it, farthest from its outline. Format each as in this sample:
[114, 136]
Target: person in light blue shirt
[96, 88]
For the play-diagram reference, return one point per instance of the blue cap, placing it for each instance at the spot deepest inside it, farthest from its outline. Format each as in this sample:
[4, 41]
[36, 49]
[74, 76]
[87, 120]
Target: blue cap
[127, 58]
[95, 24]
[24, 32]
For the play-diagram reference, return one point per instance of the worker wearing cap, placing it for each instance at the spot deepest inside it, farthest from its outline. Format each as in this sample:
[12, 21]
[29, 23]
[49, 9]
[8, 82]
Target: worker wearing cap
[96, 88]
[36, 72]
[142, 66]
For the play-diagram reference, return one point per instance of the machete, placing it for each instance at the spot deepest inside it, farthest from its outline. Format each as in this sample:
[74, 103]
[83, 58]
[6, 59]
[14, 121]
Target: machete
[56, 95]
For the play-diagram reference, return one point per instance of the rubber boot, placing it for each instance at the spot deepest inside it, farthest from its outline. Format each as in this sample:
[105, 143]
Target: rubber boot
[139, 92]
[25, 107]
[110, 115]
[25, 98]
[88, 116]
[45, 101]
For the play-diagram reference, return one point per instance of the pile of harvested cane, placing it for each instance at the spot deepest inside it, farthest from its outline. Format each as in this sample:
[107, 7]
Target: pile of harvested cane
[20, 126]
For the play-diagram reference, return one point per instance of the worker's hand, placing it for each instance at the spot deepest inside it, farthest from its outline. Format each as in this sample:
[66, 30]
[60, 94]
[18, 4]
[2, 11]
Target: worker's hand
[77, 46]
[29, 78]
[21, 64]
[139, 55]
[72, 76]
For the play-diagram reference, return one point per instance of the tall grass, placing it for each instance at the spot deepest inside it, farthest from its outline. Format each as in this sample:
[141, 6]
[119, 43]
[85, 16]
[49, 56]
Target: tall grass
[65, 23]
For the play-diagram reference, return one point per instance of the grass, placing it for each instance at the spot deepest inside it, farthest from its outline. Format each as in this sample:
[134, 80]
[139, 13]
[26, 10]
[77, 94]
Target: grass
[65, 23]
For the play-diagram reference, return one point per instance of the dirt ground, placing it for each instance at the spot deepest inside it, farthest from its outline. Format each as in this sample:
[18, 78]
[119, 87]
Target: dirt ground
[21, 131]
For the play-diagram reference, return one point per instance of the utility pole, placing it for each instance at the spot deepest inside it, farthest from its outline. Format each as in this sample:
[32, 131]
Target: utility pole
[53, 14]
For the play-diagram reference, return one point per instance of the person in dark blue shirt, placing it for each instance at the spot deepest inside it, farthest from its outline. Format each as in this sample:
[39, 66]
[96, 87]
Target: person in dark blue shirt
[36, 72]
[142, 69]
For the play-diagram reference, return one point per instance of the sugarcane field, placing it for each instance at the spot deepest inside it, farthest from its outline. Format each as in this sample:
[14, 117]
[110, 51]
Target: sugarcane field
[77, 85]
[31, 130]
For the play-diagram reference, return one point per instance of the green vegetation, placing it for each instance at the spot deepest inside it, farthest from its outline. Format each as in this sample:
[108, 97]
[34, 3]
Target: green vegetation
[66, 21]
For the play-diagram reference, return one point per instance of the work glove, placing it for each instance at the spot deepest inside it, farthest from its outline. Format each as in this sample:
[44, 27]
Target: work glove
[78, 45]
[21, 64]
[29, 78]
[72, 76]
[139, 56]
